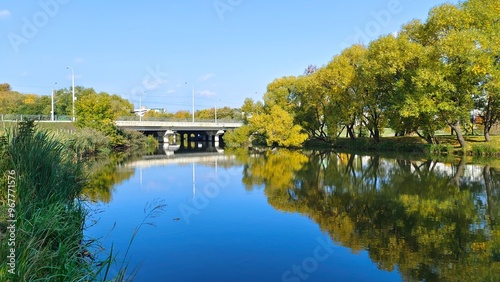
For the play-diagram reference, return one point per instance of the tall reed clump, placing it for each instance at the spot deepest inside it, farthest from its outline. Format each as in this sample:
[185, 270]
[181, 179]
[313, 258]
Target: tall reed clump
[49, 217]
[85, 142]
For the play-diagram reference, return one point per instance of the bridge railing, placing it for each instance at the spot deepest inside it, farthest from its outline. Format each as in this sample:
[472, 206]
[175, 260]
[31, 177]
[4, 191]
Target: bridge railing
[136, 118]
[18, 117]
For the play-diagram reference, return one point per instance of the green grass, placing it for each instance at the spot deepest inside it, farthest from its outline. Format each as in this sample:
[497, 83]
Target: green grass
[49, 216]
[57, 126]
[476, 146]
[54, 126]
[49, 175]
[447, 145]
[386, 144]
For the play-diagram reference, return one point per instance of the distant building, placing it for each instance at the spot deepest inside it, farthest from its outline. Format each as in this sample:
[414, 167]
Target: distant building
[143, 110]
[158, 110]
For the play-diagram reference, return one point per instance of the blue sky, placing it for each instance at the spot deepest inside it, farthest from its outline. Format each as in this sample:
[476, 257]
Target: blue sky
[227, 49]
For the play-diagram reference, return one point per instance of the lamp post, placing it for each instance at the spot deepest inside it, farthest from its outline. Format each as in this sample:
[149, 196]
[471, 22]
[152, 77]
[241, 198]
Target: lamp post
[52, 102]
[192, 86]
[140, 107]
[216, 110]
[73, 90]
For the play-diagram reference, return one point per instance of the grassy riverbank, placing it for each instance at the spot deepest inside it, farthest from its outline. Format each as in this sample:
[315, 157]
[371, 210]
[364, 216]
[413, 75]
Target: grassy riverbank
[41, 213]
[447, 145]
[45, 233]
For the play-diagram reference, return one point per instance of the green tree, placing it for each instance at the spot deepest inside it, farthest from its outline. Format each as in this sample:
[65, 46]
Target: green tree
[157, 115]
[10, 101]
[240, 137]
[340, 76]
[95, 111]
[205, 114]
[311, 102]
[281, 92]
[62, 102]
[5, 87]
[379, 70]
[35, 105]
[250, 107]
[454, 57]
[121, 107]
[485, 19]
[183, 115]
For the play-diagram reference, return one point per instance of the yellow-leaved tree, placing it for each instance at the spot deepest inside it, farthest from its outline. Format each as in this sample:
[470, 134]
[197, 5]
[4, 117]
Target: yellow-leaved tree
[278, 128]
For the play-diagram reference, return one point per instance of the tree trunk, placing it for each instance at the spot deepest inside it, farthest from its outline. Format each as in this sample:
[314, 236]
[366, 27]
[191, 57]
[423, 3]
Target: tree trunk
[460, 137]
[428, 138]
[460, 172]
[376, 134]
[487, 125]
[350, 132]
[489, 194]
[487, 137]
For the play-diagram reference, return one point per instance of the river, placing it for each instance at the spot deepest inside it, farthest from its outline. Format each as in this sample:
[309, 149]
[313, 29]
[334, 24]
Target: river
[298, 216]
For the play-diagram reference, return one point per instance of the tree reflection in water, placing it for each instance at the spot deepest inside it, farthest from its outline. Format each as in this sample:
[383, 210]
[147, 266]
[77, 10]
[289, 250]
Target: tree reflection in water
[104, 175]
[433, 221]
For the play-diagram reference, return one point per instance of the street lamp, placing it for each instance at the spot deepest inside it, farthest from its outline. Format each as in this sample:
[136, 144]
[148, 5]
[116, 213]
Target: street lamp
[216, 110]
[73, 89]
[52, 102]
[192, 85]
[140, 107]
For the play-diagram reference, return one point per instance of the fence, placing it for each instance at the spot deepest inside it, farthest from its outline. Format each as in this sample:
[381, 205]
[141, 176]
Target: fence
[16, 117]
[136, 118]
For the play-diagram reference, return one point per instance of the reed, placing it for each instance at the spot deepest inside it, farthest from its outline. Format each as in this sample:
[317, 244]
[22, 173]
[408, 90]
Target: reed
[48, 213]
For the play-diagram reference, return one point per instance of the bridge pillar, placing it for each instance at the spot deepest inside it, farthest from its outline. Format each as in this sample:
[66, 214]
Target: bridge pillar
[169, 133]
[159, 135]
[210, 135]
[218, 135]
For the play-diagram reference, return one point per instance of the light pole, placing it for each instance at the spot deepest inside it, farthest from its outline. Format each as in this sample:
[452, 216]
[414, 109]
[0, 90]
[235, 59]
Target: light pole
[216, 110]
[192, 86]
[73, 90]
[52, 102]
[140, 107]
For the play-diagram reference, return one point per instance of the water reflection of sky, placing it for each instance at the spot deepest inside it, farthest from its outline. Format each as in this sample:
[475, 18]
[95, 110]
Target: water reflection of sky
[234, 236]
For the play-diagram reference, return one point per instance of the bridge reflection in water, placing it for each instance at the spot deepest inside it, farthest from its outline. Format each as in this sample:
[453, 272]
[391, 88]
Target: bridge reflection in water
[195, 153]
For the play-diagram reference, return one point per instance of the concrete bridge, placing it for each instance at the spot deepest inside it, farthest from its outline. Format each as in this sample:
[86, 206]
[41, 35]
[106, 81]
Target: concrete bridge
[173, 131]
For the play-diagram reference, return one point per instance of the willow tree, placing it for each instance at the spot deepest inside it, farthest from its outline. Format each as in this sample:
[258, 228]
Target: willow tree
[311, 109]
[485, 20]
[340, 77]
[417, 105]
[381, 69]
[453, 56]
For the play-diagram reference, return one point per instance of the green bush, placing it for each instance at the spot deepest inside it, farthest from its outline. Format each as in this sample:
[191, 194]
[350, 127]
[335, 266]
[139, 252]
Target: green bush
[441, 149]
[484, 150]
[136, 140]
[240, 137]
[85, 142]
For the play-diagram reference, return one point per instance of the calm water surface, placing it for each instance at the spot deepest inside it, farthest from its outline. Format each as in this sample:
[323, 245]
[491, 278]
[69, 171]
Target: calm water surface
[291, 216]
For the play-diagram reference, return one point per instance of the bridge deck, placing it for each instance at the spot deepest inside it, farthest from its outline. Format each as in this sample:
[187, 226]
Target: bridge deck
[179, 126]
